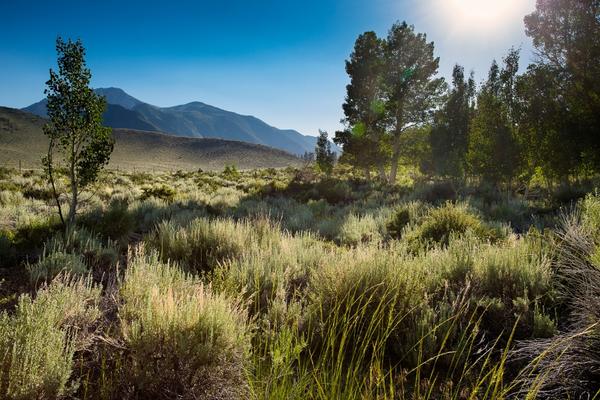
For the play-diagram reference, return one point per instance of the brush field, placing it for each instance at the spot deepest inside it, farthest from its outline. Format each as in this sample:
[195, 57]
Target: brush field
[285, 284]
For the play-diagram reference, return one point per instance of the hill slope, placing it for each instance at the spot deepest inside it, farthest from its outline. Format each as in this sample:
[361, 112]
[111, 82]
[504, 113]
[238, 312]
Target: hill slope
[194, 119]
[21, 138]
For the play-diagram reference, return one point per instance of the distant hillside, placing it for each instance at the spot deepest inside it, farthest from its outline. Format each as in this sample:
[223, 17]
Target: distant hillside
[194, 119]
[21, 138]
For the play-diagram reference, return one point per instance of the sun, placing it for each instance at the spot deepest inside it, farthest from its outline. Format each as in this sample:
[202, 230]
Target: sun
[480, 16]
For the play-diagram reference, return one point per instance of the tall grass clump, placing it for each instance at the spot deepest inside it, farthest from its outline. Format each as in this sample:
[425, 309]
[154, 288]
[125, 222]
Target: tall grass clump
[196, 340]
[38, 341]
[202, 244]
[568, 365]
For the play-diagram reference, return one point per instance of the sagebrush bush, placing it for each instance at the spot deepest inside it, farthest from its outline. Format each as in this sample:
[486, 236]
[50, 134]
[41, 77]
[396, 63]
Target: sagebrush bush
[8, 252]
[113, 222]
[162, 192]
[38, 341]
[197, 339]
[76, 252]
[359, 229]
[451, 220]
[51, 265]
[404, 215]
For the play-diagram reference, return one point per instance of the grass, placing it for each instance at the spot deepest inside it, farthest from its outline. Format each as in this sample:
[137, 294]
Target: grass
[279, 284]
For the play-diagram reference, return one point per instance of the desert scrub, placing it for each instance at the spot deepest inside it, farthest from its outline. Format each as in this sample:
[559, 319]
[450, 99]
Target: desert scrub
[113, 222]
[197, 339]
[52, 264]
[359, 229]
[8, 253]
[162, 192]
[403, 216]
[38, 340]
[203, 244]
[273, 274]
[441, 224]
[77, 252]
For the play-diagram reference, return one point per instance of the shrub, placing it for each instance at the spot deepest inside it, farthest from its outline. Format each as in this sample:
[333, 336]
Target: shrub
[197, 340]
[115, 222]
[356, 230]
[39, 192]
[403, 216]
[334, 191]
[361, 296]
[79, 252]
[53, 264]
[565, 365]
[8, 251]
[450, 220]
[231, 172]
[38, 341]
[161, 192]
[436, 192]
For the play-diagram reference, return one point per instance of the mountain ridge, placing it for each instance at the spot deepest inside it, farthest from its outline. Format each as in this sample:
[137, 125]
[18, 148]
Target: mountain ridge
[193, 119]
[22, 140]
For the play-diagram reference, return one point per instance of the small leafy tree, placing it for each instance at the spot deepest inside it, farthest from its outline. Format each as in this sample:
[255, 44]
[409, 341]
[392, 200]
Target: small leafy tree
[324, 156]
[79, 144]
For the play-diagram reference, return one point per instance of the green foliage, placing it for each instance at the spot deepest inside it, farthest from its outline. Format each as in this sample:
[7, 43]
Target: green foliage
[162, 192]
[450, 131]
[38, 341]
[75, 125]
[448, 221]
[324, 157]
[203, 244]
[403, 216]
[231, 172]
[494, 154]
[52, 264]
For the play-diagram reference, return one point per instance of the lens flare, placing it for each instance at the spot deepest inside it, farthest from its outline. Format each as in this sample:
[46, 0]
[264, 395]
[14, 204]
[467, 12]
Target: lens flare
[480, 16]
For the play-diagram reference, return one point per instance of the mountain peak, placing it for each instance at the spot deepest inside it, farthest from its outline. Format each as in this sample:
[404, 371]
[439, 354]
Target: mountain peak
[119, 97]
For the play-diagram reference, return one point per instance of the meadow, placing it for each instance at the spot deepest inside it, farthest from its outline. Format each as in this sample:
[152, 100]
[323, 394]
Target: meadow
[288, 284]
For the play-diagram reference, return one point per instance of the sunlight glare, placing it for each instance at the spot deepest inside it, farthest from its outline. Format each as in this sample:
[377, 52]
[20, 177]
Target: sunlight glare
[480, 16]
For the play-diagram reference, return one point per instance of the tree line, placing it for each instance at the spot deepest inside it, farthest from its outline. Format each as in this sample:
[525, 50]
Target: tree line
[543, 122]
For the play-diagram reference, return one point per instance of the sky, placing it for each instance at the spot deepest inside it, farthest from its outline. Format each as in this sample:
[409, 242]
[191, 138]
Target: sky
[279, 60]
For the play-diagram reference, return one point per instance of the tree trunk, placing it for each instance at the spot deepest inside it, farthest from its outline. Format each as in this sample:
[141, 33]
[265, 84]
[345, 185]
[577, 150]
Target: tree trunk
[74, 194]
[368, 173]
[382, 175]
[395, 159]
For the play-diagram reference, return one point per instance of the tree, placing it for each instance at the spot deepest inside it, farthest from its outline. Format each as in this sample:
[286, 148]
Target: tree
[78, 141]
[323, 155]
[566, 36]
[364, 108]
[411, 89]
[450, 131]
[546, 131]
[493, 152]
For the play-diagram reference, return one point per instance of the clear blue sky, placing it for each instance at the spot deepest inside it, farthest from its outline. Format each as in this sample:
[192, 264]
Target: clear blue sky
[282, 61]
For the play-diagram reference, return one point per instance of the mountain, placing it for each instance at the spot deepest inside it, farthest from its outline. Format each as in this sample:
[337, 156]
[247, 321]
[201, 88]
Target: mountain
[194, 119]
[22, 140]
